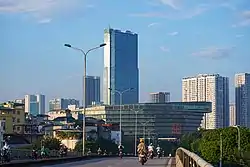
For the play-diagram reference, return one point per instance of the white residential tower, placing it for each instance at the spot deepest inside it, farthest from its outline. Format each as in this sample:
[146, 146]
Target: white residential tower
[210, 88]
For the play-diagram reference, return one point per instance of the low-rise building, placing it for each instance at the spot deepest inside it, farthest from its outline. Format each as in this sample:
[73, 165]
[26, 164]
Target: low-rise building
[17, 114]
[6, 119]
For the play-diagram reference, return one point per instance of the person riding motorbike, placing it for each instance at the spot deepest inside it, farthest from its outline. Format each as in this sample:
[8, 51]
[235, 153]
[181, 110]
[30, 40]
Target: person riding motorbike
[89, 152]
[5, 152]
[142, 151]
[34, 153]
[120, 148]
[99, 151]
[141, 148]
[151, 150]
[158, 150]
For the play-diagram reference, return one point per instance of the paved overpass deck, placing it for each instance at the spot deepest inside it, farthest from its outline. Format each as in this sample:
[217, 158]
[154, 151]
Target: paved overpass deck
[116, 162]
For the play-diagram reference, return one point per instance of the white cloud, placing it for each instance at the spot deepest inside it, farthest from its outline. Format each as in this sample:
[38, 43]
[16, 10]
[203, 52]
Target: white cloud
[44, 21]
[214, 52]
[177, 14]
[153, 24]
[175, 4]
[173, 33]
[40, 9]
[244, 19]
[164, 49]
[239, 36]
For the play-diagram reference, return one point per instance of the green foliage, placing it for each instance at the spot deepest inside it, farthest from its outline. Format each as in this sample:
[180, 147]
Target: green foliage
[206, 143]
[68, 135]
[104, 144]
[48, 142]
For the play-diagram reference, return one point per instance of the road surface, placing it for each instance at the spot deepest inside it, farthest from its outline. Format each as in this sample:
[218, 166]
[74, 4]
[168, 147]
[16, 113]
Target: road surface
[116, 162]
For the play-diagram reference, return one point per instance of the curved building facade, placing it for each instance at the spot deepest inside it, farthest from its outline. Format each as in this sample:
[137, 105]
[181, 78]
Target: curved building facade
[154, 120]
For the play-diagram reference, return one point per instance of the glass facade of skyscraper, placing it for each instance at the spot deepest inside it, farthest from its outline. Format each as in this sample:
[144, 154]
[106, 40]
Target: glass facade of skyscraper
[120, 66]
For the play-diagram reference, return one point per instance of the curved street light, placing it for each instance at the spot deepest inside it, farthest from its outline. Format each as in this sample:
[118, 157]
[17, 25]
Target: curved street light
[84, 84]
[121, 94]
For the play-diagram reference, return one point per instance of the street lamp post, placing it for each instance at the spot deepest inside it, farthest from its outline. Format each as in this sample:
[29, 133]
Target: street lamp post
[84, 85]
[144, 128]
[239, 149]
[221, 149]
[121, 94]
[136, 122]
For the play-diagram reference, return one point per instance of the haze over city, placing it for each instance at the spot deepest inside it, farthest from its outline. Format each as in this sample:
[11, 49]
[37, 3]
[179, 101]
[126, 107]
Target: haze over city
[176, 39]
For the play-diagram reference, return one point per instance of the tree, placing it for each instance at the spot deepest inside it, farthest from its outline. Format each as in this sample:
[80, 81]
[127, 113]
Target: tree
[210, 145]
[48, 142]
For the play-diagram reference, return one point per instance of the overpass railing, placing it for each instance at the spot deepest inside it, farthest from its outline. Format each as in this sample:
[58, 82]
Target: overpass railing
[186, 158]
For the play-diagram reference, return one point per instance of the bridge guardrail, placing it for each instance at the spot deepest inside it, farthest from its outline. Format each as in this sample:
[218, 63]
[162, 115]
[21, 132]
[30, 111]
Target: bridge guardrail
[186, 158]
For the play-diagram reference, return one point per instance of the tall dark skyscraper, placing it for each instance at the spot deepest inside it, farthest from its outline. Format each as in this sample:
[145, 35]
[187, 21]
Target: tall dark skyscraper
[120, 66]
[242, 99]
[92, 90]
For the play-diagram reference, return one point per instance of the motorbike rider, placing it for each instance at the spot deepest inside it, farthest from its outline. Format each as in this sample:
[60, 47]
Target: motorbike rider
[89, 152]
[158, 148]
[120, 147]
[141, 148]
[99, 151]
[5, 151]
[34, 153]
[151, 149]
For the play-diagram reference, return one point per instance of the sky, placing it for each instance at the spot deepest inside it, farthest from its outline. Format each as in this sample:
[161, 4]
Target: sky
[177, 38]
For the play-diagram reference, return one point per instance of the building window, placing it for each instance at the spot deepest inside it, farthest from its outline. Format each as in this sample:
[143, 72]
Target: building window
[18, 112]
[13, 119]
[14, 112]
[18, 120]
[18, 128]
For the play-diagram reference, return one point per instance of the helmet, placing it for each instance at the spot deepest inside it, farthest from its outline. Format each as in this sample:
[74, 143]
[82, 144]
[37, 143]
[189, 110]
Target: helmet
[151, 144]
[141, 140]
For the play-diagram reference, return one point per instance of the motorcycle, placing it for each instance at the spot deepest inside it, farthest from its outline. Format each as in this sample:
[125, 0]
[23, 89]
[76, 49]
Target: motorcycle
[62, 153]
[120, 154]
[151, 154]
[5, 155]
[34, 154]
[142, 159]
[158, 154]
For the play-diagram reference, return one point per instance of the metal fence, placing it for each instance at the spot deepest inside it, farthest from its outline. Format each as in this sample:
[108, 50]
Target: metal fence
[185, 158]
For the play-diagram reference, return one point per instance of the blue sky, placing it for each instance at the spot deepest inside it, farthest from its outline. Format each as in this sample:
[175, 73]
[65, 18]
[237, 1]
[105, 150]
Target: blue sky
[177, 38]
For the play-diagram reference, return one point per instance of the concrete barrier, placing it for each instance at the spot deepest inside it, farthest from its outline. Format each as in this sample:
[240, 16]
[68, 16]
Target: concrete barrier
[50, 161]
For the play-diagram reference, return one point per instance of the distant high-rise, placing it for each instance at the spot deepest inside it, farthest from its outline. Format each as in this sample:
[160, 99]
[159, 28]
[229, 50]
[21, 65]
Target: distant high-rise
[210, 88]
[120, 66]
[35, 104]
[160, 97]
[232, 121]
[93, 91]
[242, 99]
[19, 101]
[62, 104]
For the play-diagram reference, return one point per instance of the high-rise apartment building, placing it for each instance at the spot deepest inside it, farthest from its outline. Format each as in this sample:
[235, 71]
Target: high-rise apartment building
[210, 88]
[93, 90]
[160, 97]
[120, 67]
[35, 104]
[242, 99]
[232, 117]
[62, 104]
